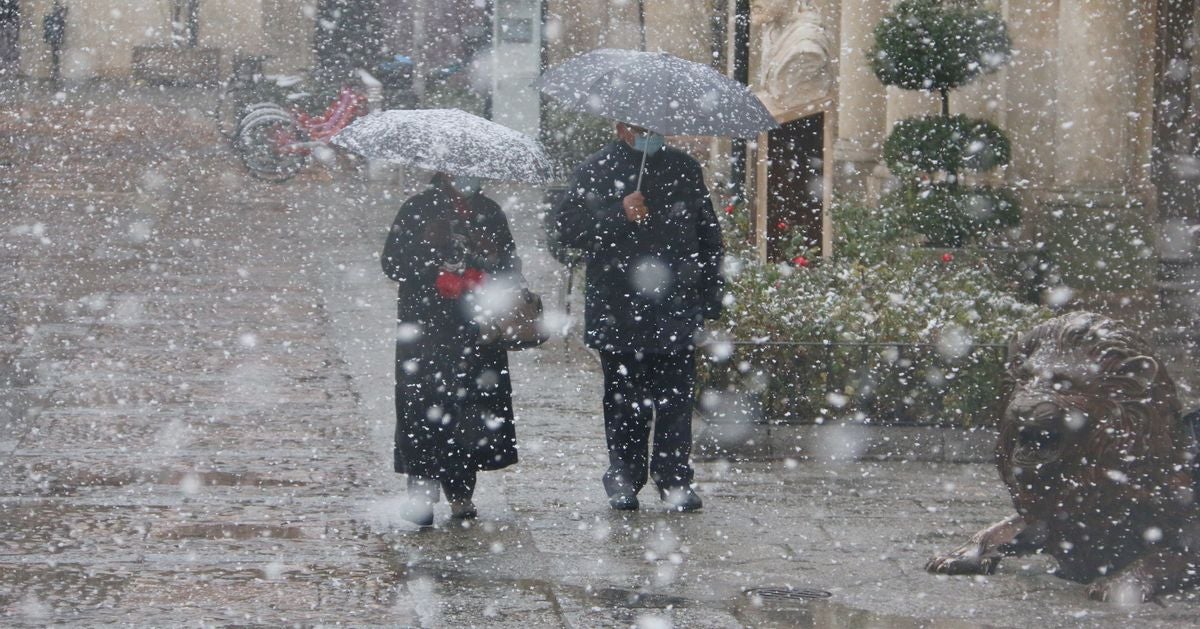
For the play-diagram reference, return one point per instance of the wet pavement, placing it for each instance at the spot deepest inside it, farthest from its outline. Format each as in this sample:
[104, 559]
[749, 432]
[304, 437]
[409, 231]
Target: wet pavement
[196, 416]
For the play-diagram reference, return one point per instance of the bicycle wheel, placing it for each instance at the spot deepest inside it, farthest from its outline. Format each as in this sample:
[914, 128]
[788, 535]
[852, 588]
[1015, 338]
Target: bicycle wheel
[233, 103]
[236, 101]
[266, 146]
[257, 111]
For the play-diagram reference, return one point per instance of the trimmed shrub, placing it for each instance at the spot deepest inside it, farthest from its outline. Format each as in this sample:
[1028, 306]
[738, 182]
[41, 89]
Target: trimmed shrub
[938, 45]
[951, 144]
[949, 215]
[933, 45]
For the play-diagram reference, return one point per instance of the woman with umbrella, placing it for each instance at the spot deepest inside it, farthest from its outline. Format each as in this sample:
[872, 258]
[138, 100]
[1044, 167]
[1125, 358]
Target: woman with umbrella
[453, 395]
[453, 392]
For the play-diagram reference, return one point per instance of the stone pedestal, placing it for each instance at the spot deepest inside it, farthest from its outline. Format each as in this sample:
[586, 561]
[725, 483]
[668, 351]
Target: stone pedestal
[1100, 250]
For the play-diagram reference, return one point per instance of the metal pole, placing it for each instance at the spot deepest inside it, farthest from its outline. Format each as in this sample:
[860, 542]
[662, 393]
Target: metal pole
[641, 6]
[641, 169]
[418, 51]
[193, 23]
[741, 74]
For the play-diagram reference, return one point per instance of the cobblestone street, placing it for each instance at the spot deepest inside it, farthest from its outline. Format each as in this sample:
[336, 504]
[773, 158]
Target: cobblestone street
[196, 421]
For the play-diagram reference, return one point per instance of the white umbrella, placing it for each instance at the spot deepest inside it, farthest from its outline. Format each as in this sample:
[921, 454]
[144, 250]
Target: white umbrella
[450, 141]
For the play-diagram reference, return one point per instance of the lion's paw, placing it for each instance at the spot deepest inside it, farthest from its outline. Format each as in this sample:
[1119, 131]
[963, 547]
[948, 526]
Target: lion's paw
[1121, 589]
[965, 560]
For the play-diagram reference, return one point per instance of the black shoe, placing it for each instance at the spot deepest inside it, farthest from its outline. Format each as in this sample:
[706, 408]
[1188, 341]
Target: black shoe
[623, 500]
[418, 512]
[463, 510]
[681, 498]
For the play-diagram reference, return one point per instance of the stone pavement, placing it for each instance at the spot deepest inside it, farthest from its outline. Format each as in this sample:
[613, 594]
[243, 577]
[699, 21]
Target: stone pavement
[196, 416]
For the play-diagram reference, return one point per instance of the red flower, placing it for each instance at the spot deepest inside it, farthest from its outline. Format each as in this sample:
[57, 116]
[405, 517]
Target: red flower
[729, 209]
[800, 261]
[947, 257]
[449, 285]
[473, 278]
[781, 226]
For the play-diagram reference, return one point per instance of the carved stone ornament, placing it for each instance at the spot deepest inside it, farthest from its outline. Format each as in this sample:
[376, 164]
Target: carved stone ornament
[794, 52]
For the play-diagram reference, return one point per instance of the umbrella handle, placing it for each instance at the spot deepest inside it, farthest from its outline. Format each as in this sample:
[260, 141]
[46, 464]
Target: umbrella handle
[641, 169]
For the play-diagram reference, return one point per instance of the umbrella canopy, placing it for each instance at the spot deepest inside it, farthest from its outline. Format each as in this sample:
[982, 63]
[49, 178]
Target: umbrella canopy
[657, 91]
[450, 141]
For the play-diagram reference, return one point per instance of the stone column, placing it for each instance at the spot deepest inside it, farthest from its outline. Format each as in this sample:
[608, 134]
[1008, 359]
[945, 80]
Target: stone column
[861, 103]
[1098, 44]
[1031, 91]
[1096, 221]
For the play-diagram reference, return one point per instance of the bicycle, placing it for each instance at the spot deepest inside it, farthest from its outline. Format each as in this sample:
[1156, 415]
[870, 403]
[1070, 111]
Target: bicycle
[274, 143]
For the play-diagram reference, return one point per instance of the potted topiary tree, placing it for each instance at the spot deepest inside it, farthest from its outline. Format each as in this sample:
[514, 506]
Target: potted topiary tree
[937, 46]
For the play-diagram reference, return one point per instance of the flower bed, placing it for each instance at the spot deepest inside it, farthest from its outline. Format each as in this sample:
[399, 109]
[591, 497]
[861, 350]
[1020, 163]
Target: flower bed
[889, 334]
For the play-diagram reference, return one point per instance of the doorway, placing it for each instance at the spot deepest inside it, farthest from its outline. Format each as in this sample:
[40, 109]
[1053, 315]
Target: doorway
[10, 38]
[1176, 149]
[795, 177]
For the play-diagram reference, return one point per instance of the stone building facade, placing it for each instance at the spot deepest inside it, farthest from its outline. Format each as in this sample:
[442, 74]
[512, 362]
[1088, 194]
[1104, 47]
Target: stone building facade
[1099, 101]
[102, 35]
[1108, 178]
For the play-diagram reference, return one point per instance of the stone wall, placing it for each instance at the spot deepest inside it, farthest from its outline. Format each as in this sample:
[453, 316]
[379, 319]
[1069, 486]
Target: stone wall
[101, 34]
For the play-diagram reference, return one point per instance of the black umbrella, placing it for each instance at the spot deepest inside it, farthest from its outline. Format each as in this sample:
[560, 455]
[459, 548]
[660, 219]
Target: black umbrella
[657, 91]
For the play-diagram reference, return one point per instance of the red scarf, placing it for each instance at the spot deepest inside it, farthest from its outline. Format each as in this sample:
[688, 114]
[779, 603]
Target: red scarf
[449, 284]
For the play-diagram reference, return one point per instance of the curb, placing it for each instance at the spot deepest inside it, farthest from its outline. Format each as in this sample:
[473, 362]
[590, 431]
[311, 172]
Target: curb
[843, 442]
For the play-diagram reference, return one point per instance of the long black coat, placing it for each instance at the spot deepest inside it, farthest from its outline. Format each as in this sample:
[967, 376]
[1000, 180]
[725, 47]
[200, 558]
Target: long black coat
[453, 395]
[649, 286]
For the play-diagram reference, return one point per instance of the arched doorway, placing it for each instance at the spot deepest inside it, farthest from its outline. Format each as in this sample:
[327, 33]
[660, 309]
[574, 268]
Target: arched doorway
[795, 174]
[1176, 153]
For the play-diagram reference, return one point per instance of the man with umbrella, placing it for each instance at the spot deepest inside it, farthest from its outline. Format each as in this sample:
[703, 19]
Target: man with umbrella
[642, 215]
[653, 275]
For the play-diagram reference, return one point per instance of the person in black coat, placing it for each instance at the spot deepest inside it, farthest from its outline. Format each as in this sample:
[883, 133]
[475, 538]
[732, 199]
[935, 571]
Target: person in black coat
[653, 250]
[54, 33]
[453, 394]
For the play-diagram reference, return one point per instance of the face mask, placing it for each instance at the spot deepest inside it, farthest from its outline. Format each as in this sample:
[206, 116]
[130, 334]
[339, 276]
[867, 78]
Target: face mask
[650, 143]
[467, 185]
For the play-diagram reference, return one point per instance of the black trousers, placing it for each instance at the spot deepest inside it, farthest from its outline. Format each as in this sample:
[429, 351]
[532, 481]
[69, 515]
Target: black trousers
[641, 388]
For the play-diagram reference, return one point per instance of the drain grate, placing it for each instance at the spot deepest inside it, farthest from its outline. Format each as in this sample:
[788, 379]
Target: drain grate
[788, 594]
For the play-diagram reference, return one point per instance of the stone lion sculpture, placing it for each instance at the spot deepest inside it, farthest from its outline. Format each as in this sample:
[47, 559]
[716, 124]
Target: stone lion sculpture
[1100, 464]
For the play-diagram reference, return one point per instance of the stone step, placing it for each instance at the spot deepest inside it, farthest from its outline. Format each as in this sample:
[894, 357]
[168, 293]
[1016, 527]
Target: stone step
[1187, 271]
[1176, 295]
[1178, 283]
